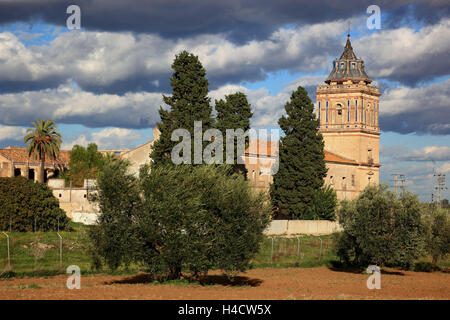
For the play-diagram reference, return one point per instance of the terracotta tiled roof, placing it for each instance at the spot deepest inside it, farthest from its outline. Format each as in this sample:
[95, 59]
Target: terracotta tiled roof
[332, 157]
[329, 156]
[20, 154]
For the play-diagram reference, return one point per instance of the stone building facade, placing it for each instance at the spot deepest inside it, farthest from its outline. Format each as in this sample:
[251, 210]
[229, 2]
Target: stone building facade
[348, 108]
[14, 161]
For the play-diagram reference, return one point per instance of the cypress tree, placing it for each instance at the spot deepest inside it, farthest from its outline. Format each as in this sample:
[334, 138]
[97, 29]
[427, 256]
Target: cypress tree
[234, 113]
[301, 159]
[189, 102]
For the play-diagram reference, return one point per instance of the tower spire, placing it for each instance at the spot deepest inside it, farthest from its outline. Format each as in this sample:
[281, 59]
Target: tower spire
[348, 66]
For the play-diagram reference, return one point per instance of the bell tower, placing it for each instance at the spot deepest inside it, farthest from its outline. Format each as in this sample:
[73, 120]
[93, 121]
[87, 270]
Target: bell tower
[348, 108]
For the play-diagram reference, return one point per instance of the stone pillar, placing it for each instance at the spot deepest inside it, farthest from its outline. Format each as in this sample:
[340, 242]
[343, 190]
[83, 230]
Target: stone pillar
[37, 173]
[24, 171]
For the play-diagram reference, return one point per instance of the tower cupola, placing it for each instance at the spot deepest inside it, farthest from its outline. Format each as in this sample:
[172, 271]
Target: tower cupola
[348, 67]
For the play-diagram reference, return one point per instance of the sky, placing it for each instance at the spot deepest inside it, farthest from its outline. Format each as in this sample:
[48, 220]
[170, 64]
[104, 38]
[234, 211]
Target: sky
[104, 83]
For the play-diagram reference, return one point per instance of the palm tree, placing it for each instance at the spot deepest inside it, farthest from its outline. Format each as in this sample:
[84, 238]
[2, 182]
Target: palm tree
[43, 141]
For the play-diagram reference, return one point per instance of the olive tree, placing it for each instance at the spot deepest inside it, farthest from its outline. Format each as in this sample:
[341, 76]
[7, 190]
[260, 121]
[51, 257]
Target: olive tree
[176, 219]
[380, 228]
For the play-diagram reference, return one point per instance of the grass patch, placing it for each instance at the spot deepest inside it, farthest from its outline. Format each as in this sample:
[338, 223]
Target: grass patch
[300, 252]
[37, 254]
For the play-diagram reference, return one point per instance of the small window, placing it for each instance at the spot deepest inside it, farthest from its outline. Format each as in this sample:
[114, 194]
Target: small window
[85, 196]
[353, 180]
[342, 65]
[340, 112]
[60, 195]
[353, 65]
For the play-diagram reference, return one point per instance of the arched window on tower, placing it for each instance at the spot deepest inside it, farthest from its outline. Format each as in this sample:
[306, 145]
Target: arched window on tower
[326, 114]
[338, 118]
[356, 110]
[362, 112]
[348, 110]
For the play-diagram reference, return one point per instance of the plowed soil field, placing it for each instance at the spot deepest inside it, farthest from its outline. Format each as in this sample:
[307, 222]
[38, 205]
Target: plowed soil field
[267, 283]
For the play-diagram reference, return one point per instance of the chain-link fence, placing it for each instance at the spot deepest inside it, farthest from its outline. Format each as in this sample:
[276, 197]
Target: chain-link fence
[42, 253]
[49, 253]
[294, 251]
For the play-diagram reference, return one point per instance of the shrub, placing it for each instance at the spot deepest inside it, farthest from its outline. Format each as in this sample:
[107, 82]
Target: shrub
[178, 218]
[85, 163]
[437, 235]
[324, 204]
[24, 202]
[380, 229]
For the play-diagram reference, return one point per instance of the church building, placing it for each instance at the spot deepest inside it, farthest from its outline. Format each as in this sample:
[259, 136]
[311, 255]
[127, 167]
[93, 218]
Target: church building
[348, 107]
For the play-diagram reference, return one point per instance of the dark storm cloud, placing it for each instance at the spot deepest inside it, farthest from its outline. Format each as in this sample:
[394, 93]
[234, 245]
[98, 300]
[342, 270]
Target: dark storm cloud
[106, 62]
[422, 110]
[240, 20]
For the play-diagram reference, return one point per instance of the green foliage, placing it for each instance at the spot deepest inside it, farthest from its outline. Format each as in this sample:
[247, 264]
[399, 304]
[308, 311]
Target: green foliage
[86, 163]
[234, 113]
[178, 218]
[438, 234]
[43, 142]
[22, 202]
[380, 229]
[301, 159]
[189, 102]
[324, 204]
[118, 197]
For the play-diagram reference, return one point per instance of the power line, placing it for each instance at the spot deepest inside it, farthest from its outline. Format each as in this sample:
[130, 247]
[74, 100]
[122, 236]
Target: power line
[440, 187]
[399, 181]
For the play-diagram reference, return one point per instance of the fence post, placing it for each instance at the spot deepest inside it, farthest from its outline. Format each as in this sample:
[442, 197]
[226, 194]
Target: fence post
[271, 251]
[7, 244]
[60, 250]
[320, 253]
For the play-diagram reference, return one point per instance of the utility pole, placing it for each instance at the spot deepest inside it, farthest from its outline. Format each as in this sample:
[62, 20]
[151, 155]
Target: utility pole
[398, 178]
[440, 187]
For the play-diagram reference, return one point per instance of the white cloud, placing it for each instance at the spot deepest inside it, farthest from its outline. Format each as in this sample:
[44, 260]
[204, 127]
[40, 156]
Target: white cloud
[125, 61]
[69, 104]
[418, 166]
[268, 108]
[106, 139]
[12, 133]
[428, 153]
[421, 109]
[405, 54]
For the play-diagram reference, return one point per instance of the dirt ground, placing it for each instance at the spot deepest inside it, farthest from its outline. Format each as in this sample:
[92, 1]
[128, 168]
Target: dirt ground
[291, 283]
